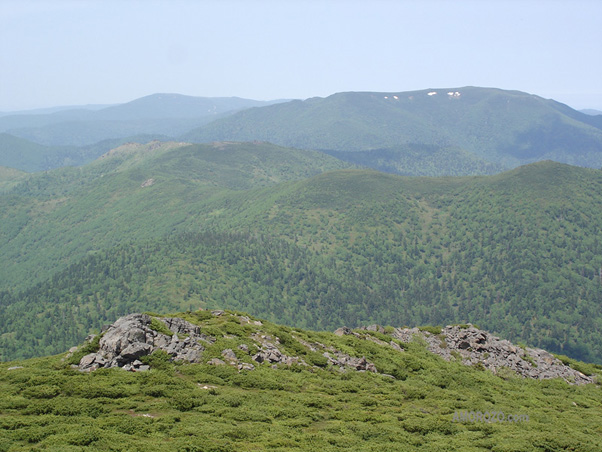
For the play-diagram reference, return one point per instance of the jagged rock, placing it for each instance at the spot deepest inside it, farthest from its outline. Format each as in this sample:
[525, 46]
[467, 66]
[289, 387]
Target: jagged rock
[343, 360]
[270, 353]
[229, 355]
[478, 347]
[131, 337]
[125, 342]
[180, 326]
[136, 350]
[92, 362]
[396, 346]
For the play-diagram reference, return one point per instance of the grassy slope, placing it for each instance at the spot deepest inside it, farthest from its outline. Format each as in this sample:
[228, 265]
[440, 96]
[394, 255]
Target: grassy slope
[197, 407]
[508, 128]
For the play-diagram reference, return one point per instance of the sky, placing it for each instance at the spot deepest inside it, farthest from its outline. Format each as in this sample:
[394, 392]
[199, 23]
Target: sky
[105, 52]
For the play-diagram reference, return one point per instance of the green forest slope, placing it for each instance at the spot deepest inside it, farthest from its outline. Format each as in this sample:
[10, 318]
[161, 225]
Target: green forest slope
[175, 227]
[132, 193]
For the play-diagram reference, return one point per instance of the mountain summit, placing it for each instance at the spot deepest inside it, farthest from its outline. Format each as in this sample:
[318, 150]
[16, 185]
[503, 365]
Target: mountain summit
[495, 127]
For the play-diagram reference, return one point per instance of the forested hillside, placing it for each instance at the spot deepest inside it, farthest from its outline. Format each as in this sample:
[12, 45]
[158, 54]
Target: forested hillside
[25, 155]
[517, 253]
[134, 192]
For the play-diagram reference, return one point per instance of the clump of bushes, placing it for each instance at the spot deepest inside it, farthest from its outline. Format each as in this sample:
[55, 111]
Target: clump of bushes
[430, 329]
[160, 327]
[91, 347]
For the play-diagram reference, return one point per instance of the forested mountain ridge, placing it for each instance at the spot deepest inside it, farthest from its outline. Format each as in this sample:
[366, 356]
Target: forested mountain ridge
[495, 127]
[25, 155]
[177, 227]
[166, 114]
[131, 193]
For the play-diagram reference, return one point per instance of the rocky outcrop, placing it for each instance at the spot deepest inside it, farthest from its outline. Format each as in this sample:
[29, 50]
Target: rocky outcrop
[126, 342]
[132, 337]
[343, 361]
[479, 348]
[268, 351]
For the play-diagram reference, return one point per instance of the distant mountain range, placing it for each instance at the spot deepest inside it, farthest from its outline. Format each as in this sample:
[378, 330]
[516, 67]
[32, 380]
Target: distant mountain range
[438, 132]
[49, 110]
[167, 114]
[493, 128]
[29, 156]
[591, 111]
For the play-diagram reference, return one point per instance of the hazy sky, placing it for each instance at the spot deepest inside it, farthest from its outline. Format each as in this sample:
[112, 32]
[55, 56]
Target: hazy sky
[81, 52]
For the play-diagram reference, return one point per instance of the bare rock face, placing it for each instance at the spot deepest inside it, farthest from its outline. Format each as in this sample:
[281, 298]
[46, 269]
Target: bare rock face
[477, 347]
[131, 337]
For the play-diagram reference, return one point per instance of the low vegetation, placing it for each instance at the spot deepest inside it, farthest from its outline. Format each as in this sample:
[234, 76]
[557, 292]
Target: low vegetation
[45, 405]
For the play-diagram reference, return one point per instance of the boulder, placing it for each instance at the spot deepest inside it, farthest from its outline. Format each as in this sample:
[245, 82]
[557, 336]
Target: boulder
[130, 338]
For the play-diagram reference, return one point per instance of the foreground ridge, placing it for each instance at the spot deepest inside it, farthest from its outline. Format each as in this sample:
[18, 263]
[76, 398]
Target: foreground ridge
[131, 340]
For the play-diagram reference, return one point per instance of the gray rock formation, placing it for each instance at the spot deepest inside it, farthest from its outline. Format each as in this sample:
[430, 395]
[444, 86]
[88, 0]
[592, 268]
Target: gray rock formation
[131, 337]
[477, 347]
[343, 361]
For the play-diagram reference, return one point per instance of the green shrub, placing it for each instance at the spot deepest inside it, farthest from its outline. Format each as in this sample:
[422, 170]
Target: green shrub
[160, 327]
[186, 402]
[201, 316]
[316, 359]
[106, 389]
[431, 329]
[232, 401]
[156, 391]
[42, 392]
[159, 359]
[90, 347]
[5, 445]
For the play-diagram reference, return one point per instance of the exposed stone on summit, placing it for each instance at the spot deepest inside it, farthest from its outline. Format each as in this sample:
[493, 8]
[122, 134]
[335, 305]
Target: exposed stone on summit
[474, 346]
[131, 338]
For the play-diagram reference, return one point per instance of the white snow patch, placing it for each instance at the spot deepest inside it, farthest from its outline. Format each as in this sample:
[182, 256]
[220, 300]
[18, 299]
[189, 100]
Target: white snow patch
[432, 93]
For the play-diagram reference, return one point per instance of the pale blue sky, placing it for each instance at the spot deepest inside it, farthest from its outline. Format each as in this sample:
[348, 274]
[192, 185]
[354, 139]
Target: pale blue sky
[80, 52]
